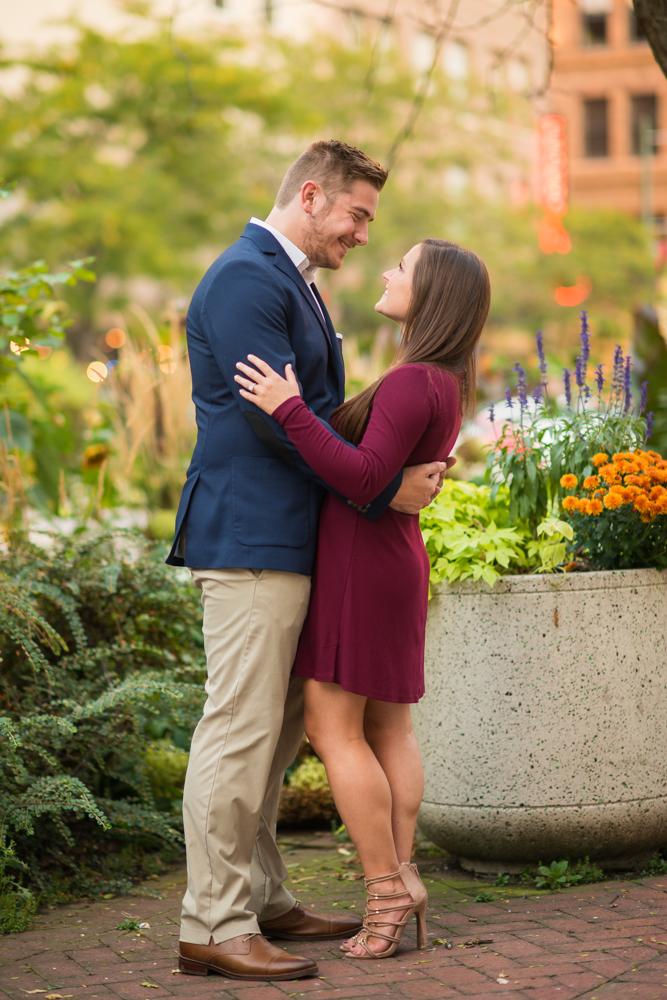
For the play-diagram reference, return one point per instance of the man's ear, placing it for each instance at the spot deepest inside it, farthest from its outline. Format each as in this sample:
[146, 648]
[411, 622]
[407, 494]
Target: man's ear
[309, 191]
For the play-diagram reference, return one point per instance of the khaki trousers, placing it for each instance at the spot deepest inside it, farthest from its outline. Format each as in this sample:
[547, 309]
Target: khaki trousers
[249, 733]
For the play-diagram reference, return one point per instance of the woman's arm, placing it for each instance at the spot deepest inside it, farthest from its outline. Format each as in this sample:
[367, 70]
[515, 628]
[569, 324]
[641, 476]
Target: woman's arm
[402, 409]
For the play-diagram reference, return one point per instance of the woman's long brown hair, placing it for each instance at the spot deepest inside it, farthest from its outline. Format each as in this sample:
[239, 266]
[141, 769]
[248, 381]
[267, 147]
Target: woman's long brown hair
[448, 308]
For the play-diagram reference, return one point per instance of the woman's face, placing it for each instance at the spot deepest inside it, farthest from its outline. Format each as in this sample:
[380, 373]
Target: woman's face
[395, 302]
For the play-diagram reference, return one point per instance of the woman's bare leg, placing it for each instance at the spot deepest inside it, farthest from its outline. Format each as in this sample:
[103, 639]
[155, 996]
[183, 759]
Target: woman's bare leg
[334, 722]
[389, 733]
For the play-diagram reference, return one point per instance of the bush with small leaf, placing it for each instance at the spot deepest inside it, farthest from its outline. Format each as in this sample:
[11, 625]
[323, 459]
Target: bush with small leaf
[101, 655]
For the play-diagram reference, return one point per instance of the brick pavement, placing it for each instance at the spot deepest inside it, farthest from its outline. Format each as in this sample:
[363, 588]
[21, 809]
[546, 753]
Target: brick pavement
[595, 942]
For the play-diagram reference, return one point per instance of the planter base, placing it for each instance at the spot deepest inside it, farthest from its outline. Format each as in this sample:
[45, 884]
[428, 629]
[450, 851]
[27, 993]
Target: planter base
[519, 836]
[624, 864]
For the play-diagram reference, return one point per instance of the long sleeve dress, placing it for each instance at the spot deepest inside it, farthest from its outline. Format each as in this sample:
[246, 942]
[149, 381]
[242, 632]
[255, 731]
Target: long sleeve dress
[366, 621]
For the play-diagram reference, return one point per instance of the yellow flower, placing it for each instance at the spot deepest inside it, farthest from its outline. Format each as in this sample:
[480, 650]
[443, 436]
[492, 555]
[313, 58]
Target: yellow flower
[570, 503]
[612, 501]
[594, 507]
[600, 458]
[568, 482]
[590, 482]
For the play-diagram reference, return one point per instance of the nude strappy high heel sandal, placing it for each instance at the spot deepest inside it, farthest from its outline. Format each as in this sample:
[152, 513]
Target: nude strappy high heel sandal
[373, 921]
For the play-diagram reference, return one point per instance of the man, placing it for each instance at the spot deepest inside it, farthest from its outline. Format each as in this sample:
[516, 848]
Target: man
[247, 526]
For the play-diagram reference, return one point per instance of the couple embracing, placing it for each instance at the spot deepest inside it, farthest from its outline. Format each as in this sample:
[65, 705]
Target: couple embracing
[299, 520]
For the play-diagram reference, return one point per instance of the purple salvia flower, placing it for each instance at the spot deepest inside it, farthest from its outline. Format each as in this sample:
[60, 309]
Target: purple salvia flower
[650, 424]
[599, 378]
[539, 340]
[627, 383]
[617, 376]
[491, 413]
[567, 382]
[643, 397]
[579, 373]
[537, 393]
[585, 339]
[508, 398]
[521, 385]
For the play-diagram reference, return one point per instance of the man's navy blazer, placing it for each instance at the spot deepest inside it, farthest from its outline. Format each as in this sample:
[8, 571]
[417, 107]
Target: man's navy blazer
[249, 499]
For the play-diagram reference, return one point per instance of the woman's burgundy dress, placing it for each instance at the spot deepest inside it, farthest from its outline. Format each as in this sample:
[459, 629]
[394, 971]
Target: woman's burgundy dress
[367, 615]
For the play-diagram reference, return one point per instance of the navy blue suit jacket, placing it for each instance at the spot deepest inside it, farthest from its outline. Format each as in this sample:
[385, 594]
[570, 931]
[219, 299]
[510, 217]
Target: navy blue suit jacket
[249, 499]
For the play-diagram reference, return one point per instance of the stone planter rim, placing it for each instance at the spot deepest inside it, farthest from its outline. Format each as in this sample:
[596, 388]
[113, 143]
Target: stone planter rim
[522, 583]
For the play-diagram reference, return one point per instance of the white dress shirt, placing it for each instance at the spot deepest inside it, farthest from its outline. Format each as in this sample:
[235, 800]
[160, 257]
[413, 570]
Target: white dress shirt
[298, 257]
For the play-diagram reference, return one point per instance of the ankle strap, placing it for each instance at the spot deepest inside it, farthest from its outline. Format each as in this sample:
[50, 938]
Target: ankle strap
[381, 878]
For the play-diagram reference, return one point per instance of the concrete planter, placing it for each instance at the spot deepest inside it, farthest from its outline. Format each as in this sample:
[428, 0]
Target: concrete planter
[544, 725]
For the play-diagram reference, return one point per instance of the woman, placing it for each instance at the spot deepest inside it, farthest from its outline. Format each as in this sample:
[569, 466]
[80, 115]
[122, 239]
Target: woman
[361, 652]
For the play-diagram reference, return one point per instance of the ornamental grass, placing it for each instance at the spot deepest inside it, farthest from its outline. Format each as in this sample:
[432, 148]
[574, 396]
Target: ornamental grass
[619, 514]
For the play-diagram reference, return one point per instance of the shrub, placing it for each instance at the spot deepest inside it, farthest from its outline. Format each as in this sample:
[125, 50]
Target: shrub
[101, 655]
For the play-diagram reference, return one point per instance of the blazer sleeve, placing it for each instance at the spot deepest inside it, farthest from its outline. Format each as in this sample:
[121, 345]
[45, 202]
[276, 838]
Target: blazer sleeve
[244, 313]
[402, 410]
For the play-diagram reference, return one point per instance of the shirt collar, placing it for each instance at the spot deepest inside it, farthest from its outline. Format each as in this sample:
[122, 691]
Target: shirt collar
[298, 257]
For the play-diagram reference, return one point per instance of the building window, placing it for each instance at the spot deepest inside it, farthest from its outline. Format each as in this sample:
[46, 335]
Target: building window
[595, 128]
[644, 117]
[594, 29]
[636, 31]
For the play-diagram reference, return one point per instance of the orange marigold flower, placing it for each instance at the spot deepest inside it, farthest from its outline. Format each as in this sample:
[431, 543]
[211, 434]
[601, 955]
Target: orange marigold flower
[654, 455]
[657, 491]
[568, 482]
[598, 494]
[600, 458]
[632, 491]
[646, 518]
[594, 507]
[641, 503]
[661, 504]
[608, 473]
[570, 503]
[590, 482]
[617, 488]
[612, 501]
[652, 509]
[582, 504]
[660, 475]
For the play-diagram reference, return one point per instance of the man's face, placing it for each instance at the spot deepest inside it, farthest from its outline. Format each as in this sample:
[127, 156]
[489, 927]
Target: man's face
[333, 229]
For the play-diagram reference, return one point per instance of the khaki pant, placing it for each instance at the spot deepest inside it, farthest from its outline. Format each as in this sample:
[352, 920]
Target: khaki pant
[249, 733]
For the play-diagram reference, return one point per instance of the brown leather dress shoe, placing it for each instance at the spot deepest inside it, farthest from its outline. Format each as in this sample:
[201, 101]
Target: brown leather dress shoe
[248, 956]
[300, 924]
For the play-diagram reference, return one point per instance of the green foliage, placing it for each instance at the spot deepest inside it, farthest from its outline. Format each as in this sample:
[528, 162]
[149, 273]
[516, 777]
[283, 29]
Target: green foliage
[468, 535]
[656, 866]
[484, 897]
[29, 309]
[17, 904]
[128, 925]
[553, 877]
[538, 443]
[560, 874]
[502, 880]
[101, 654]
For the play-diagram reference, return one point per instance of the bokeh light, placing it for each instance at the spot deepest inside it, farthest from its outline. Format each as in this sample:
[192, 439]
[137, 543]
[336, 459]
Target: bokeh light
[97, 371]
[165, 356]
[19, 348]
[115, 337]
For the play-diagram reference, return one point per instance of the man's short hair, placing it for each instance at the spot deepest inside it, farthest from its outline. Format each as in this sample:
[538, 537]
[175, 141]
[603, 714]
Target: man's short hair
[335, 166]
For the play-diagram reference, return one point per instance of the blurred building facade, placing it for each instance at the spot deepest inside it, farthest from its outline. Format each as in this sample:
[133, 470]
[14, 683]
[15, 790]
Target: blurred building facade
[613, 96]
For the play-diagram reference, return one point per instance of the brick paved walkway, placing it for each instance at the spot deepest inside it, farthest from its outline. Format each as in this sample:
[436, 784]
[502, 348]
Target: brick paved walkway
[600, 941]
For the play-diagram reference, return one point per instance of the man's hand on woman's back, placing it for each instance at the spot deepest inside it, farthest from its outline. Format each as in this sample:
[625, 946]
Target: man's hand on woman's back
[421, 484]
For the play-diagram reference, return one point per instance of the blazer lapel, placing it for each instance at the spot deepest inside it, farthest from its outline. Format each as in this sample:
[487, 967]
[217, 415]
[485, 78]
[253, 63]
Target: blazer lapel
[333, 340]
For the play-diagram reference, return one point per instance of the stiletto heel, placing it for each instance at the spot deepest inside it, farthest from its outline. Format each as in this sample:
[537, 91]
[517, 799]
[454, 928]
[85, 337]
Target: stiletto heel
[412, 887]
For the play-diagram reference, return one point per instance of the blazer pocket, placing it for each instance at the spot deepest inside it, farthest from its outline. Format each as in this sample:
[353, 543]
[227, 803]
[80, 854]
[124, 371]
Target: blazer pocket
[270, 503]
